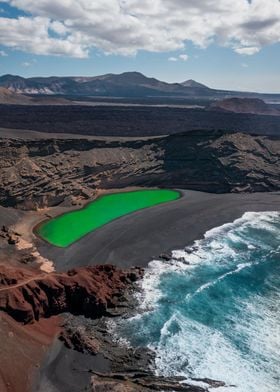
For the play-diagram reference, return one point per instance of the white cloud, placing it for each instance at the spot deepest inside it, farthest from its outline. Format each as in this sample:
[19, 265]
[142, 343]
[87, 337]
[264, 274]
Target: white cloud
[244, 65]
[33, 35]
[29, 63]
[249, 51]
[73, 27]
[181, 57]
[3, 53]
[184, 57]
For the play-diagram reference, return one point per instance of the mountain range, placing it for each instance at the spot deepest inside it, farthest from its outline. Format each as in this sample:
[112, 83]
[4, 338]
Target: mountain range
[128, 84]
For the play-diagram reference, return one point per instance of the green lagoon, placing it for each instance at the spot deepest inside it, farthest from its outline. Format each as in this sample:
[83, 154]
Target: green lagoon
[65, 229]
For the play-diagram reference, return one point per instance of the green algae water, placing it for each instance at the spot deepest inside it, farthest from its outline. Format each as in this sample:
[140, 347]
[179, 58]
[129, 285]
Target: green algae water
[70, 227]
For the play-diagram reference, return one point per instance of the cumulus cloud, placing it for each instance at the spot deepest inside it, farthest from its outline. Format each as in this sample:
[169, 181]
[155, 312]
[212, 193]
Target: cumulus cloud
[3, 53]
[34, 35]
[174, 59]
[74, 27]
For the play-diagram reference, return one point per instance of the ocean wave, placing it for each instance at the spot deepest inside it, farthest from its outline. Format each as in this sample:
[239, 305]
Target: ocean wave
[205, 286]
[224, 245]
[211, 311]
[198, 350]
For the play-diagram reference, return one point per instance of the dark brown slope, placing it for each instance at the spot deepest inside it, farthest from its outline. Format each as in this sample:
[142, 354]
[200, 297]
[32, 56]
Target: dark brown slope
[36, 173]
[245, 105]
[12, 98]
[22, 350]
[131, 121]
[9, 97]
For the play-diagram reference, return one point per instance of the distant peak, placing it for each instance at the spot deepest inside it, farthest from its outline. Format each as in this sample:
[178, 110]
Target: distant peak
[10, 76]
[136, 73]
[193, 83]
[132, 74]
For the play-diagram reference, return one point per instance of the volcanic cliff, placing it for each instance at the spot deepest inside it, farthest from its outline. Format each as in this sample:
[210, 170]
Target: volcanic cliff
[89, 291]
[47, 172]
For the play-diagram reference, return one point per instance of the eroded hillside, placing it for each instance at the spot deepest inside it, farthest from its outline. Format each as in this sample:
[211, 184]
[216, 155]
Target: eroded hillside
[47, 172]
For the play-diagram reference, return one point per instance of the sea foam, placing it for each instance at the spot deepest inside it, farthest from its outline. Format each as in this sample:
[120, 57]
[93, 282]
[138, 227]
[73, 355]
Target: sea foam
[212, 310]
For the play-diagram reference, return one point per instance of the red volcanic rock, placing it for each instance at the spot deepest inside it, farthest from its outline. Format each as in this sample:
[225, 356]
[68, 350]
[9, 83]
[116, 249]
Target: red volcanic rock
[12, 276]
[88, 291]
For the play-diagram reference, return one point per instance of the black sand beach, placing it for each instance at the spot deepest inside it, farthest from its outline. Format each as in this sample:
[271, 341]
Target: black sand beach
[132, 240]
[136, 239]
[67, 370]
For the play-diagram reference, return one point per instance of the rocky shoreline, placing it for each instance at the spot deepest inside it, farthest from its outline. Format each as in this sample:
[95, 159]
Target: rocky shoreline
[89, 298]
[128, 369]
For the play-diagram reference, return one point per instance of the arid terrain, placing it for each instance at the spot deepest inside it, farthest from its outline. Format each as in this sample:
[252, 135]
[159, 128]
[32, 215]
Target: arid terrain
[131, 121]
[245, 105]
[55, 308]
[139, 196]
[38, 173]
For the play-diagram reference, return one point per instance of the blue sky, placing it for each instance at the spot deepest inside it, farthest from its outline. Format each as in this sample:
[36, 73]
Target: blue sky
[63, 44]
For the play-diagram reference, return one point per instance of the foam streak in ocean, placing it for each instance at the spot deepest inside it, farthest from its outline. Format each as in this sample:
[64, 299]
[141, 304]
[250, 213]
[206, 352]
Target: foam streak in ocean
[213, 310]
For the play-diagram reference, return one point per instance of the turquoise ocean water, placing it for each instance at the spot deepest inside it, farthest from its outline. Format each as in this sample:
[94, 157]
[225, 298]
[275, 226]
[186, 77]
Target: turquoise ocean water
[213, 311]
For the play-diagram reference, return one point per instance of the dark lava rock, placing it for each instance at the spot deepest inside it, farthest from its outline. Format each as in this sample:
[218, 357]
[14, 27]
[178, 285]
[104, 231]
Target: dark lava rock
[165, 256]
[145, 383]
[213, 161]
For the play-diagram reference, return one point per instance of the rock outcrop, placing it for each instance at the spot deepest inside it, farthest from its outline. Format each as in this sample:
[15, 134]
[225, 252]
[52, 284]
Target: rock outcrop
[47, 172]
[10, 97]
[245, 105]
[9, 235]
[128, 368]
[89, 291]
[141, 383]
